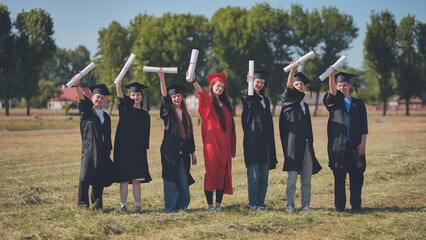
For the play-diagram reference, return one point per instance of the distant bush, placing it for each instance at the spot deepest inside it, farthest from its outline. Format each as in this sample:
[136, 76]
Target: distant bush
[67, 108]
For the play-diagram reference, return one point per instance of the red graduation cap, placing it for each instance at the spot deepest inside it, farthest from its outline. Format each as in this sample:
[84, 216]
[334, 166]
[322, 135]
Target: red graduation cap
[217, 77]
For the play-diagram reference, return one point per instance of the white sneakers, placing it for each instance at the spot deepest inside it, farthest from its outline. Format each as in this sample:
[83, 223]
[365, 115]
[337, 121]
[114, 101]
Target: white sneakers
[289, 209]
[306, 208]
[212, 209]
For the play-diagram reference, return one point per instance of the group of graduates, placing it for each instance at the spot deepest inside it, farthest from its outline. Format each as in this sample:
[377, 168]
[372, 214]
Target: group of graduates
[347, 132]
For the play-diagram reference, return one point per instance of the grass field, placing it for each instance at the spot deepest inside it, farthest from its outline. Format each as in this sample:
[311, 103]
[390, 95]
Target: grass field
[39, 172]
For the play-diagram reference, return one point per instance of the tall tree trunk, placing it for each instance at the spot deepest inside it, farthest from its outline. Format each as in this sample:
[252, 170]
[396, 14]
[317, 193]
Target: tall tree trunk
[384, 106]
[28, 106]
[316, 103]
[6, 107]
[407, 107]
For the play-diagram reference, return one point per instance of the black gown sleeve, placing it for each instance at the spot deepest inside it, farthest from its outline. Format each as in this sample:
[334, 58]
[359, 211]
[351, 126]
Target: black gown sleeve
[147, 129]
[331, 101]
[125, 105]
[166, 106]
[290, 97]
[85, 108]
[363, 118]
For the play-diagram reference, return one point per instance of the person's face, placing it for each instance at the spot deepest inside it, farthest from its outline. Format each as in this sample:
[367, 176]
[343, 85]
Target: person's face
[98, 100]
[344, 87]
[258, 84]
[177, 99]
[136, 96]
[218, 88]
[300, 86]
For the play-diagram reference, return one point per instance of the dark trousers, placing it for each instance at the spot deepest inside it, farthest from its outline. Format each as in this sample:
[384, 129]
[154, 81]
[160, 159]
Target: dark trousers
[95, 196]
[356, 180]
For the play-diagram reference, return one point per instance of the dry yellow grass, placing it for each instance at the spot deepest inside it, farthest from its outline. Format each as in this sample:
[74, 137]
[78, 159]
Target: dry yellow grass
[40, 170]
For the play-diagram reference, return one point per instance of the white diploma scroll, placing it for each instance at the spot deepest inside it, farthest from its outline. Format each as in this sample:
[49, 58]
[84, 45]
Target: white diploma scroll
[251, 75]
[192, 64]
[125, 69]
[162, 69]
[81, 74]
[335, 66]
[300, 60]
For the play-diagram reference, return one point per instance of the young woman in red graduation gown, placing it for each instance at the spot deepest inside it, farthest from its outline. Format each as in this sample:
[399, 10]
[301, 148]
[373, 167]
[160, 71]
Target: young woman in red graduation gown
[218, 133]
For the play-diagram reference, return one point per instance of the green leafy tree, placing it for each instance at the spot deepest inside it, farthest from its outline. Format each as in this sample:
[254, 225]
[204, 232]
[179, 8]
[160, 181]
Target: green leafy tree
[34, 47]
[329, 33]
[420, 34]
[168, 41]
[233, 45]
[47, 90]
[66, 63]
[7, 85]
[270, 29]
[379, 51]
[408, 70]
[114, 49]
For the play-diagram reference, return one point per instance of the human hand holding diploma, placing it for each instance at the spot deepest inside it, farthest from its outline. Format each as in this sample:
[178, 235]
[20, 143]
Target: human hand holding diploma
[192, 64]
[335, 66]
[79, 75]
[125, 69]
[251, 80]
[299, 61]
[160, 69]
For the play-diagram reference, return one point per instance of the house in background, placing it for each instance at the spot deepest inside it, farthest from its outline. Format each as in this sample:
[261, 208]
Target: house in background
[68, 96]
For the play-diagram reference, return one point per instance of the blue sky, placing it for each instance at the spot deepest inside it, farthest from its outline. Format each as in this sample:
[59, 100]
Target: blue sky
[76, 22]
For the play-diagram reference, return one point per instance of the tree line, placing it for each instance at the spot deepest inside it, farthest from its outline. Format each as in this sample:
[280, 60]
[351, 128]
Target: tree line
[270, 36]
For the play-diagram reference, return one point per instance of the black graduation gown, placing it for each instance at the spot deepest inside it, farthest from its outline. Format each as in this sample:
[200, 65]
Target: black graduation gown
[173, 144]
[131, 143]
[337, 127]
[258, 130]
[96, 165]
[295, 128]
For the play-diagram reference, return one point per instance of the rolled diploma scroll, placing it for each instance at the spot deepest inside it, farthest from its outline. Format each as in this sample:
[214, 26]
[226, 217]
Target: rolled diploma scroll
[192, 64]
[335, 66]
[125, 68]
[163, 69]
[300, 60]
[251, 74]
[81, 74]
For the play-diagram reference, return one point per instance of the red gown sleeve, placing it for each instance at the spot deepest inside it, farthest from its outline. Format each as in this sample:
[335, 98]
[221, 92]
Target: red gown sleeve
[204, 103]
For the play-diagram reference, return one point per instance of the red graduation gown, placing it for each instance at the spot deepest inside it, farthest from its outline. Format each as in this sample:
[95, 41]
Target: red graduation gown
[218, 145]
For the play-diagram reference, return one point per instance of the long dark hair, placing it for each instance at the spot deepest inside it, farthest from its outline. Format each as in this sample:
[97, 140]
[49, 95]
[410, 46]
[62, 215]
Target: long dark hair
[225, 100]
[179, 125]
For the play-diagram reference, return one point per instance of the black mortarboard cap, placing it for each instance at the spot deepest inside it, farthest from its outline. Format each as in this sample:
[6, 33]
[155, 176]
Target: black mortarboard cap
[99, 89]
[343, 77]
[260, 74]
[175, 89]
[136, 87]
[301, 77]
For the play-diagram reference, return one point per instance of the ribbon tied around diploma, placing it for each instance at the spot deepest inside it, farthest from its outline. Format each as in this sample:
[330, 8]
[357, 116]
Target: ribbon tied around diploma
[79, 72]
[161, 69]
[194, 63]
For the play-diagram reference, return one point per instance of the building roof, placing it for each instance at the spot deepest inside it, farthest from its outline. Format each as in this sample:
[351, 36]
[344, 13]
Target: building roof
[68, 94]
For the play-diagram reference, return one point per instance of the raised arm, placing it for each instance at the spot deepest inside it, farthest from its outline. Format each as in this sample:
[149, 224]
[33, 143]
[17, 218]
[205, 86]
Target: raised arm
[162, 84]
[197, 86]
[78, 90]
[290, 79]
[332, 83]
[119, 90]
